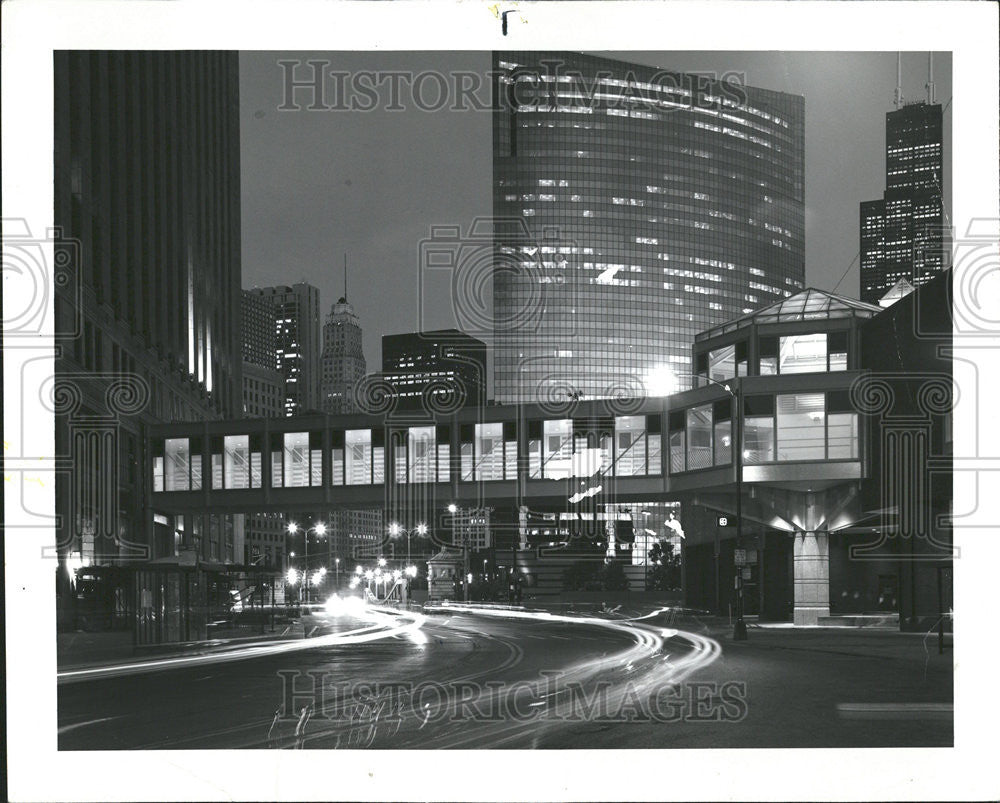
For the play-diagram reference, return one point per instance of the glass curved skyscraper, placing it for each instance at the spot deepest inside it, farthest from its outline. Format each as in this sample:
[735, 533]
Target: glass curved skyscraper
[633, 207]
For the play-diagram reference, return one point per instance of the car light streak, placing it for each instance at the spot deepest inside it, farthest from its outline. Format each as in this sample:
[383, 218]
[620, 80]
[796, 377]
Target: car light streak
[388, 623]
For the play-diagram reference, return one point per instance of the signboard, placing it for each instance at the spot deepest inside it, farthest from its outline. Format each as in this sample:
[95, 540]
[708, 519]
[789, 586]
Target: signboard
[746, 572]
[726, 521]
[740, 557]
[751, 556]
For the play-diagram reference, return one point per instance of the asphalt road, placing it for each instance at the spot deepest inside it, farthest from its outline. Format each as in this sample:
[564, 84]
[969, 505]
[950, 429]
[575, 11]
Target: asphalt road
[468, 680]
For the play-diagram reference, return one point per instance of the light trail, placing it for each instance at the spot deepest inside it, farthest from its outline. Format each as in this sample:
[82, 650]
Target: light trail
[387, 625]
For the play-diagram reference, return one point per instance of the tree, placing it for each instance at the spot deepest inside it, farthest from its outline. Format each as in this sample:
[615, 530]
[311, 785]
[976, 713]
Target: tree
[614, 577]
[666, 572]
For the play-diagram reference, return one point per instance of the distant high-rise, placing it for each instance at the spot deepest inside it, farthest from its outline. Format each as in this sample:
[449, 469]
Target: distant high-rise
[442, 362]
[902, 233]
[343, 360]
[633, 207]
[297, 343]
[147, 183]
[259, 330]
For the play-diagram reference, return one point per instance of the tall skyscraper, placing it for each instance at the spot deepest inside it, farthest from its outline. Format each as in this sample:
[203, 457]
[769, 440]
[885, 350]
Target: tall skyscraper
[343, 361]
[297, 343]
[902, 233]
[263, 384]
[147, 188]
[633, 208]
[442, 362]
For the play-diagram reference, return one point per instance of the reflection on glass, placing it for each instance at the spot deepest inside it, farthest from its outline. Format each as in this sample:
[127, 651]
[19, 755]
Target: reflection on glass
[802, 354]
[236, 461]
[699, 437]
[723, 442]
[177, 454]
[557, 455]
[801, 426]
[758, 439]
[489, 452]
[842, 436]
[358, 456]
[630, 445]
[296, 462]
[421, 449]
[722, 363]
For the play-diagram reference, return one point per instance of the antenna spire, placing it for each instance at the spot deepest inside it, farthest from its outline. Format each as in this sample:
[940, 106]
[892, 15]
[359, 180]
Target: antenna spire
[898, 99]
[930, 79]
[345, 276]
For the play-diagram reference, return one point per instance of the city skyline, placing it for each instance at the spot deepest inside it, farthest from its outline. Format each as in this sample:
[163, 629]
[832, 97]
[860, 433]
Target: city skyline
[304, 172]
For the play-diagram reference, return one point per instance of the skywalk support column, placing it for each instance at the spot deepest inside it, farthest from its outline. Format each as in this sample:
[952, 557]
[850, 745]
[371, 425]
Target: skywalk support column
[811, 577]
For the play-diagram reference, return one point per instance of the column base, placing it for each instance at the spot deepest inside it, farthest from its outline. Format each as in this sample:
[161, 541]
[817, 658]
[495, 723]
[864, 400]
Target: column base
[809, 616]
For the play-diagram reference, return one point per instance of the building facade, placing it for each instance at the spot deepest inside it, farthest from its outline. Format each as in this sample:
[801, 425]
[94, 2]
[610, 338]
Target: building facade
[902, 233]
[147, 202]
[633, 208]
[447, 364]
[297, 342]
[343, 359]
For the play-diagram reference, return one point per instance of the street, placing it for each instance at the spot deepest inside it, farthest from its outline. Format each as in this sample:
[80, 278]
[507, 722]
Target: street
[467, 678]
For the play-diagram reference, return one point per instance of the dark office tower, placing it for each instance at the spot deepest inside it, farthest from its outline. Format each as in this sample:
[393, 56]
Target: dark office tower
[297, 343]
[343, 361]
[902, 234]
[263, 384]
[147, 197]
[259, 330]
[441, 363]
[633, 208]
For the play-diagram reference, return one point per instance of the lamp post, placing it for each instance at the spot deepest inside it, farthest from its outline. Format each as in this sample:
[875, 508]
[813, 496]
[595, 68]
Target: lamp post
[453, 509]
[336, 563]
[735, 390]
[395, 531]
[320, 530]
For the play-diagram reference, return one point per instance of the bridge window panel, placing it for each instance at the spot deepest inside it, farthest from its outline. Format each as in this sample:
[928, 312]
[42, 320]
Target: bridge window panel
[510, 450]
[157, 473]
[699, 437]
[837, 343]
[277, 461]
[422, 453]
[557, 446]
[378, 456]
[316, 459]
[358, 456]
[768, 347]
[295, 451]
[841, 427]
[337, 459]
[741, 358]
[177, 464]
[467, 434]
[236, 461]
[443, 454]
[801, 426]
[802, 354]
[489, 452]
[256, 472]
[630, 445]
[722, 363]
[399, 458]
[534, 450]
[197, 447]
[654, 464]
[677, 425]
[758, 430]
[722, 437]
[217, 466]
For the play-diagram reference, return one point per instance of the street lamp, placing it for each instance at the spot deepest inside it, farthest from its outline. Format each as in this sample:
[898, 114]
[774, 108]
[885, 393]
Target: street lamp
[453, 509]
[395, 531]
[662, 378]
[336, 563]
[320, 530]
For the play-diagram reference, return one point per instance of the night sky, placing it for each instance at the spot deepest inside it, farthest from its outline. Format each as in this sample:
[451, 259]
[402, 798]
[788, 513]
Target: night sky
[317, 184]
